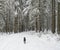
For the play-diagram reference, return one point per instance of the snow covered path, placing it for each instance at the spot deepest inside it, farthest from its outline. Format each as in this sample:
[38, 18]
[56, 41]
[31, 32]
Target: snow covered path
[15, 42]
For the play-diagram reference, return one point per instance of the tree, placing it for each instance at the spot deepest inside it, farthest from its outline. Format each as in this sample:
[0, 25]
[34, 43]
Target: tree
[58, 18]
[53, 16]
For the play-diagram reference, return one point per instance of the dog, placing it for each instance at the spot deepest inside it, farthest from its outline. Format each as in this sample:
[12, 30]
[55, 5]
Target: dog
[24, 40]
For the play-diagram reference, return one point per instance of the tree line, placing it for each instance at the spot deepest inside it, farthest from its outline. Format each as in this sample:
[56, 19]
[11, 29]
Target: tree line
[25, 15]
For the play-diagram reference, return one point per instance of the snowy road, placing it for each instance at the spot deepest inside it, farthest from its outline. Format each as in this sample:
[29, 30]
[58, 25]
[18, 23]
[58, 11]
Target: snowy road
[15, 42]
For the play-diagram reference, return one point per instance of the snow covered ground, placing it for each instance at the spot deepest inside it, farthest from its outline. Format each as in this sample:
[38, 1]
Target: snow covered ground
[34, 41]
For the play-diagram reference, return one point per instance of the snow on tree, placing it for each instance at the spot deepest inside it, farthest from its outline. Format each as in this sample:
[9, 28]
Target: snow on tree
[24, 15]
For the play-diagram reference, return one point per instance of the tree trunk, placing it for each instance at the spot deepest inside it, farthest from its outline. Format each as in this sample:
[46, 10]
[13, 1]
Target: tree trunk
[40, 28]
[53, 16]
[58, 18]
[16, 25]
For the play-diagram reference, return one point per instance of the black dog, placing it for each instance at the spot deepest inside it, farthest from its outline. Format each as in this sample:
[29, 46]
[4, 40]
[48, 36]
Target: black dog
[24, 40]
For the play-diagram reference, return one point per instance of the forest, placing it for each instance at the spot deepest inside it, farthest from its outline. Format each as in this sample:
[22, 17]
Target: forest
[26, 15]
